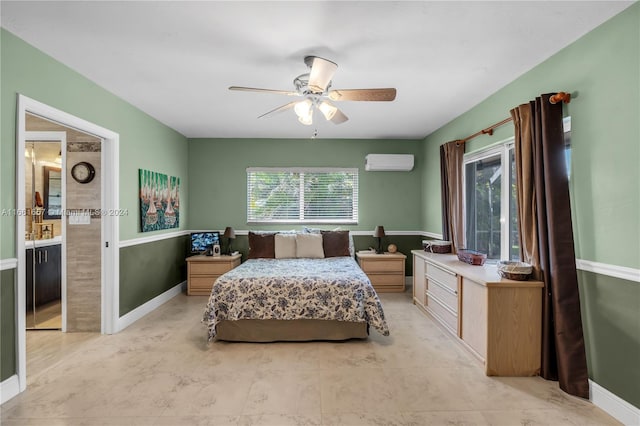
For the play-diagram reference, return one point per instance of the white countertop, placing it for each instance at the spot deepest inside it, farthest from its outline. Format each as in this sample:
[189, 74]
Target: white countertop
[43, 243]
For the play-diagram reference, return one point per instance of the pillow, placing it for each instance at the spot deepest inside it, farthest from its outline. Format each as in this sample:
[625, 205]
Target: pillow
[261, 246]
[309, 245]
[335, 243]
[285, 246]
[352, 246]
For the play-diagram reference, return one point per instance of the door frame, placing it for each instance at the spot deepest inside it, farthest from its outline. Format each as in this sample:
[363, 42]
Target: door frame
[62, 138]
[110, 222]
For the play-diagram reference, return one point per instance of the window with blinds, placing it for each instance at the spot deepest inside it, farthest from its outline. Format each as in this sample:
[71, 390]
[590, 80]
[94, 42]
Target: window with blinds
[302, 195]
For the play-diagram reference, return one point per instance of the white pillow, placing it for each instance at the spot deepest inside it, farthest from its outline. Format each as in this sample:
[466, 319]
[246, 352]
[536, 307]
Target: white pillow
[309, 245]
[285, 246]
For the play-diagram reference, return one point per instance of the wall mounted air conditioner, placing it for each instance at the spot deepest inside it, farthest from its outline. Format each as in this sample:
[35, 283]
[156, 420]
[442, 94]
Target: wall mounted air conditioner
[388, 162]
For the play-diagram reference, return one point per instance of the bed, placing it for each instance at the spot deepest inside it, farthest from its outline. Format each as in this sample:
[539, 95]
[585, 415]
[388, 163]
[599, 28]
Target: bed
[301, 298]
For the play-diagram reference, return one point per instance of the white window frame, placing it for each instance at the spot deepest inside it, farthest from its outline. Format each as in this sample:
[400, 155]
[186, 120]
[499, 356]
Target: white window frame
[302, 171]
[499, 149]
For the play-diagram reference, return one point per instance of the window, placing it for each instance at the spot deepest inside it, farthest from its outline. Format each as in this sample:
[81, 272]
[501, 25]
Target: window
[302, 195]
[487, 201]
[490, 197]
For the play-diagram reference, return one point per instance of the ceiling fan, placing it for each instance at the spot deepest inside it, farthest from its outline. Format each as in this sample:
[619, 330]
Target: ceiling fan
[314, 87]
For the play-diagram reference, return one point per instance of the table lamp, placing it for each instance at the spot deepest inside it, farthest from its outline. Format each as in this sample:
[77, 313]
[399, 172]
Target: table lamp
[379, 233]
[230, 234]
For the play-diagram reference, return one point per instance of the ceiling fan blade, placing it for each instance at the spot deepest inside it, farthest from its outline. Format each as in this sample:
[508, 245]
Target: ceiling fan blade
[339, 117]
[322, 71]
[387, 94]
[255, 89]
[280, 109]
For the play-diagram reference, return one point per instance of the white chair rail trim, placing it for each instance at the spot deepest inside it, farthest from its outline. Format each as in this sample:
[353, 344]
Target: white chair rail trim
[152, 238]
[11, 263]
[622, 272]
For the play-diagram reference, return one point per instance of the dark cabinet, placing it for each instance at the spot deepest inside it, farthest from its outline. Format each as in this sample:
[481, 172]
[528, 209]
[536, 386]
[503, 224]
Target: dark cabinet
[44, 281]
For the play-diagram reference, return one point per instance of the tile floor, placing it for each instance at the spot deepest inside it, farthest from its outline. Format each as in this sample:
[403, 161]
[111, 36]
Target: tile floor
[162, 371]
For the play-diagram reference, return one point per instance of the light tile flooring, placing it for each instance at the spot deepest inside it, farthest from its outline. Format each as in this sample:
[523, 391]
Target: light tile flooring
[162, 371]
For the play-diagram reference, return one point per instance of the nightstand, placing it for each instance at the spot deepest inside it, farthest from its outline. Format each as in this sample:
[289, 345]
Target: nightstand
[386, 271]
[203, 271]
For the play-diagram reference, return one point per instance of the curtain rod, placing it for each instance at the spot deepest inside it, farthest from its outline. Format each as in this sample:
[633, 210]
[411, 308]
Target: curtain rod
[554, 99]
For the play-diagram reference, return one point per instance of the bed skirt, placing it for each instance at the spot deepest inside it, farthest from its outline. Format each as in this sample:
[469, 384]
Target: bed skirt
[301, 330]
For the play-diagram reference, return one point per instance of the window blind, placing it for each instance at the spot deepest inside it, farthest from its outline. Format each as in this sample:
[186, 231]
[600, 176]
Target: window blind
[302, 195]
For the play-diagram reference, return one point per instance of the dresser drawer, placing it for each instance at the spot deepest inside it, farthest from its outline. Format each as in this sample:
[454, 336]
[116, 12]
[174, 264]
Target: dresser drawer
[443, 293]
[442, 313]
[217, 268]
[382, 280]
[202, 285]
[391, 265]
[443, 276]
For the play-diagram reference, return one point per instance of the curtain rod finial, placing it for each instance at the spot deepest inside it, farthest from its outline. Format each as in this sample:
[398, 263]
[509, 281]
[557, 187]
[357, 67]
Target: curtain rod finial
[560, 97]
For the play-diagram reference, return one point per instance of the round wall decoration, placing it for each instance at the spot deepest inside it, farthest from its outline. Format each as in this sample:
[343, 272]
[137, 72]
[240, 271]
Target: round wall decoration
[83, 172]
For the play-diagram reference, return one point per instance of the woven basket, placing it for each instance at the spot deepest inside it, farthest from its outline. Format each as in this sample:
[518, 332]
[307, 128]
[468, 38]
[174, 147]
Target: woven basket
[518, 271]
[436, 246]
[472, 257]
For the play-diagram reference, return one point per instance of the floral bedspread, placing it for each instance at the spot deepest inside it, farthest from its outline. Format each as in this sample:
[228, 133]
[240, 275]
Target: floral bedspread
[333, 288]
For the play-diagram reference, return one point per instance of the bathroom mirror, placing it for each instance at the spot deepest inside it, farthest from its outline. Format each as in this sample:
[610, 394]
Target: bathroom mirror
[52, 192]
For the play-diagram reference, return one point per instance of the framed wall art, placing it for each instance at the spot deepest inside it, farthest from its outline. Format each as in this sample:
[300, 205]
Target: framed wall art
[159, 201]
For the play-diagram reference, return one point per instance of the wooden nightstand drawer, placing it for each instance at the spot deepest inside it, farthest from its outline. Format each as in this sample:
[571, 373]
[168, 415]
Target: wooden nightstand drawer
[202, 268]
[383, 265]
[386, 280]
[385, 271]
[202, 284]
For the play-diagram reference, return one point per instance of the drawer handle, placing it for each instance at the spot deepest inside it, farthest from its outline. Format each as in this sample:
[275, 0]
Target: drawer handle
[442, 286]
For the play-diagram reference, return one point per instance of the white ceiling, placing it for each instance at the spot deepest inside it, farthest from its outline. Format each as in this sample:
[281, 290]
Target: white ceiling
[175, 60]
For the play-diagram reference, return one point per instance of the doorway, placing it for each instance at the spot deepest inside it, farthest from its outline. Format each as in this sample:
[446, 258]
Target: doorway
[44, 201]
[76, 218]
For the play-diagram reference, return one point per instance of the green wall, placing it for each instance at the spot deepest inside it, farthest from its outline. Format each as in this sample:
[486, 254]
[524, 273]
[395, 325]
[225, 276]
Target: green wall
[148, 270]
[218, 179]
[611, 315]
[603, 70]
[7, 324]
[144, 143]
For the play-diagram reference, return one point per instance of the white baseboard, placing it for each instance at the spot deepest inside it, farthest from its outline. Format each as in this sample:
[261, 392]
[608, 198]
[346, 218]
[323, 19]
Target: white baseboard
[142, 310]
[614, 405]
[9, 388]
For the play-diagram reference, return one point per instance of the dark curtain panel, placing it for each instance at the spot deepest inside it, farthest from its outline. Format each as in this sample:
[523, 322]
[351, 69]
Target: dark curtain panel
[444, 191]
[451, 154]
[546, 237]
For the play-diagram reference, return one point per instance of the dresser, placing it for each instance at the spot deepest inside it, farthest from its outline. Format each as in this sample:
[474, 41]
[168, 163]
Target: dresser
[386, 270]
[203, 271]
[497, 319]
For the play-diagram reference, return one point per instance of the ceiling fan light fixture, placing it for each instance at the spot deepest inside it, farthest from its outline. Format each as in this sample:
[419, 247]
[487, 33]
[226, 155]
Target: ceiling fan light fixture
[307, 120]
[322, 71]
[327, 109]
[303, 108]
